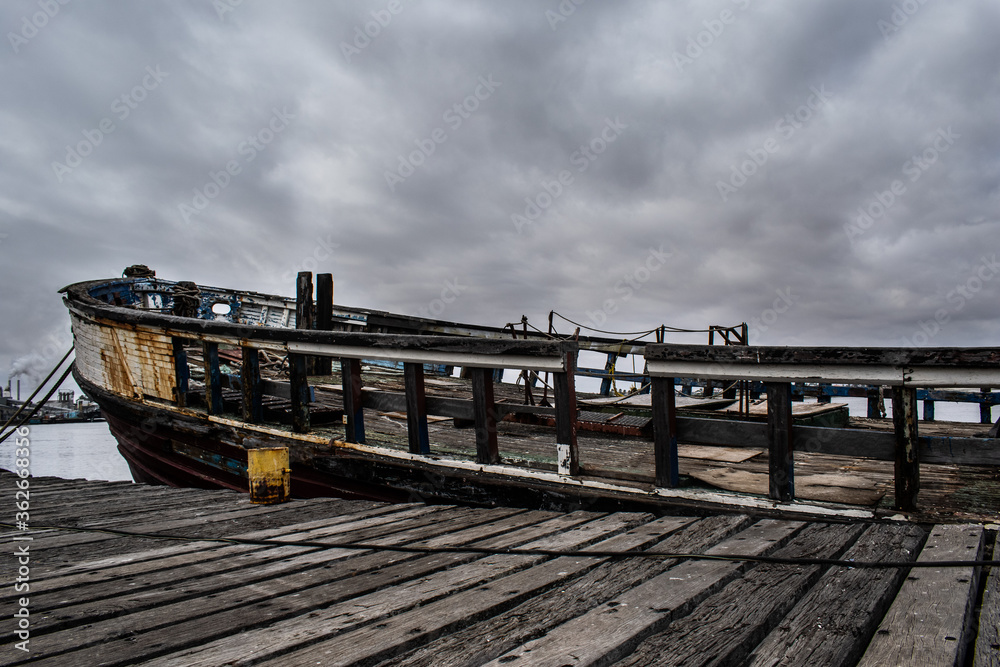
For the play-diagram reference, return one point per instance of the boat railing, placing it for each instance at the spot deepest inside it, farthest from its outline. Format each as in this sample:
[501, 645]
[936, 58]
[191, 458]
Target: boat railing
[902, 369]
[478, 357]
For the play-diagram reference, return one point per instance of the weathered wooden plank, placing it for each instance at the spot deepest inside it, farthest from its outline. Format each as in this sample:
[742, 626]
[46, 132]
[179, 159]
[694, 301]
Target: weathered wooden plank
[416, 409]
[299, 381]
[988, 641]
[495, 635]
[928, 621]
[330, 595]
[722, 629]
[213, 380]
[252, 406]
[781, 466]
[485, 416]
[245, 563]
[350, 372]
[665, 432]
[616, 628]
[832, 624]
[401, 631]
[565, 396]
[241, 509]
[279, 571]
[324, 316]
[144, 562]
[752, 355]
[907, 452]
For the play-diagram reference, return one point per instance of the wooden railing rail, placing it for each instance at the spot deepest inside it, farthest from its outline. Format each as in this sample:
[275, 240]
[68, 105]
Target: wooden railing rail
[902, 369]
[480, 356]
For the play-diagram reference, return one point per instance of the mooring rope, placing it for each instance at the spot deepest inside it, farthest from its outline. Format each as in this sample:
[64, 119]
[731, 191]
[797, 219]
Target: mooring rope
[42, 402]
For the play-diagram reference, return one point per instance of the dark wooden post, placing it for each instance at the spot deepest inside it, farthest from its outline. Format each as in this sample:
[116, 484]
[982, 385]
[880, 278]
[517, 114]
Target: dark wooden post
[324, 316]
[664, 432]
[904, 419]
[821, 395]
[182, 373]
[874, 403]
[350, 379]
[928, 410]
[564, 385]
[213, 379]
[985, 409]
[484, 414]
[781, 465]
[305, 315]
[299, 380]
[416, 408]
[253, 409]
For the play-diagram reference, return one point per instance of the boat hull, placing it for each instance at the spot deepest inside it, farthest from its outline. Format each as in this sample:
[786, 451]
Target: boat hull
[165, 447]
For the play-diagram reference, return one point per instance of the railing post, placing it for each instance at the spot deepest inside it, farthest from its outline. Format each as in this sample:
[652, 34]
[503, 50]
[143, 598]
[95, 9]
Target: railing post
[253, 409]
[305, 316]
[485, 416]
[565, 394]
[324, 317]
[213, 379]
[907, 467]
[781, 466]
[350, 379]
[985, 408]
[299, 380]
[664, 432]
[874, 403]
[416, 408]
[928, 410]
[821, 393]
[182, 373]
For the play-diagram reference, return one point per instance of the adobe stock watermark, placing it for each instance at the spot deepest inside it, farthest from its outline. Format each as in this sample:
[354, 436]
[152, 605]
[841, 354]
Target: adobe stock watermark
[248, 149]
[450, 291]
[867, 214]
[322, 252]
[786, 127]
[368, 31]
[454, 116]
[900, 16]
[630, 283]
[223, 7]
[31, 25]
[581, 158]
[957, 298]
[702, 40]
[767, 318]
[22, 583]
[122, 107]
[564, 10]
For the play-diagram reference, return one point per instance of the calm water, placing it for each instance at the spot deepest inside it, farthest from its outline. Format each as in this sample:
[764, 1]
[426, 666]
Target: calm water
[70, 451]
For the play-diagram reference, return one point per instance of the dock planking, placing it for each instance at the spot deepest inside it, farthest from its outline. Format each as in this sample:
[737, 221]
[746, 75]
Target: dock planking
[105, 599]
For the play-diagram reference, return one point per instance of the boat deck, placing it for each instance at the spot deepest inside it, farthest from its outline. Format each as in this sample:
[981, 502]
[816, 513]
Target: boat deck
[948, 492]
[456, 598]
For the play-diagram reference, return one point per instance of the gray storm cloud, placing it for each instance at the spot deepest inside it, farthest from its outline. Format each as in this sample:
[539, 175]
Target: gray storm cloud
[843, 154]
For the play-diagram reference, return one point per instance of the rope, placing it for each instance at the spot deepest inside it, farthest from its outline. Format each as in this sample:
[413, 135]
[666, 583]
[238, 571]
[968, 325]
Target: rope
[39, 406]
[514, 551]
[37, 389]
[641, 334]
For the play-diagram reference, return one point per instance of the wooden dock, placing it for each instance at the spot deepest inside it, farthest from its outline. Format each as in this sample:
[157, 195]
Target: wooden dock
[454, 597]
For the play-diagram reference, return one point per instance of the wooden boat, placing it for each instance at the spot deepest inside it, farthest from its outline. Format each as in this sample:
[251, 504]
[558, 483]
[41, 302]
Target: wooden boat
[373, 405]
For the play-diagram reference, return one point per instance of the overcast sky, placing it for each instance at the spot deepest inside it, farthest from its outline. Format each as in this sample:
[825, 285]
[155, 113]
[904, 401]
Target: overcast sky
[825, 171]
